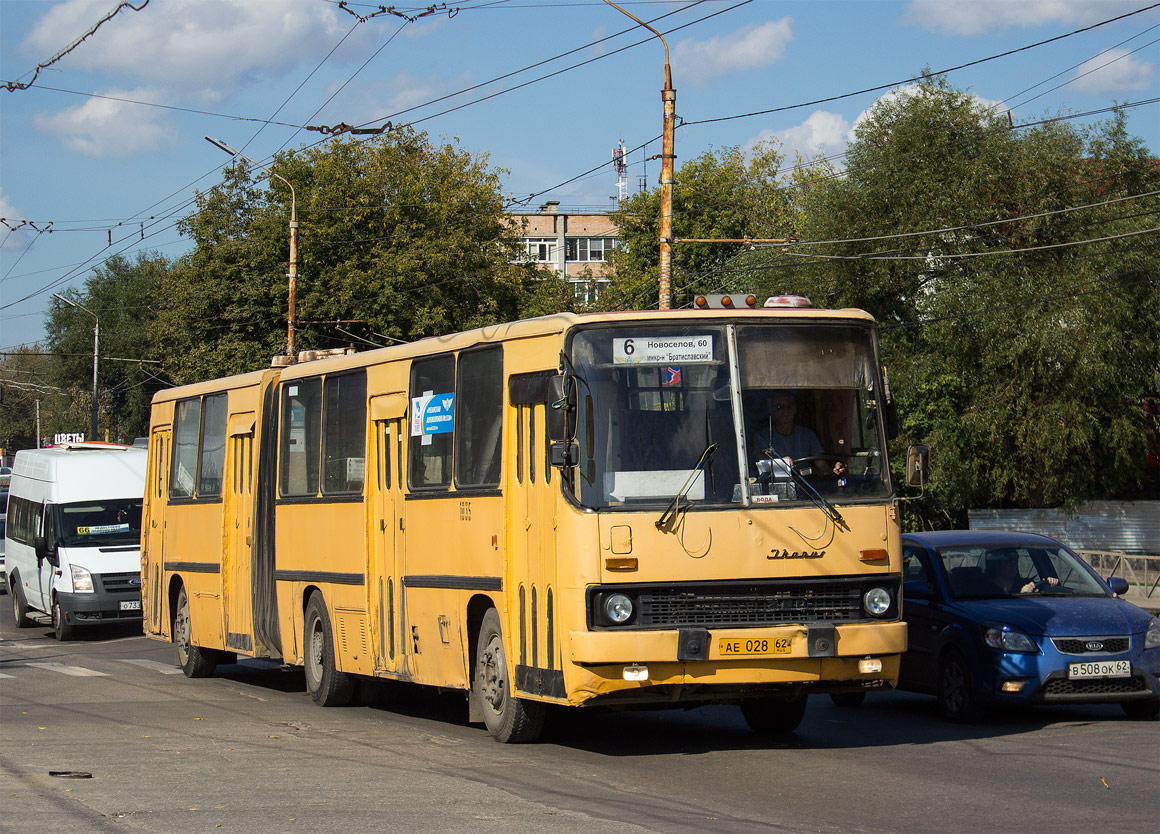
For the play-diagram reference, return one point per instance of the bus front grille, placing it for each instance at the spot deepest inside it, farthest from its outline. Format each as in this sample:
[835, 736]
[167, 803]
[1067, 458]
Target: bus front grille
[750, 606]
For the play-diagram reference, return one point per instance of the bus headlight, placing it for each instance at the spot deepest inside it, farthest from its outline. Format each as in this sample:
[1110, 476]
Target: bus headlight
[618, 608]
[876, 601]
[82, 580]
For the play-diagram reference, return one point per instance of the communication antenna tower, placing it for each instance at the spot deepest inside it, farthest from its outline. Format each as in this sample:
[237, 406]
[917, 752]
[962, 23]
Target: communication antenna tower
[621, 168]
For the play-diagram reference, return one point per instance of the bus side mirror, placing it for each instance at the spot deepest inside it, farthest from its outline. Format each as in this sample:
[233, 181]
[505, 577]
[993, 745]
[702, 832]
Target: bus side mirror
[917, 465]
[561, 408]
[40, 545]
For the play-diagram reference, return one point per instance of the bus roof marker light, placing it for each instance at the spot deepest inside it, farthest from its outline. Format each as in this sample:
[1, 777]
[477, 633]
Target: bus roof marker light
[636, 672]
[788, 302]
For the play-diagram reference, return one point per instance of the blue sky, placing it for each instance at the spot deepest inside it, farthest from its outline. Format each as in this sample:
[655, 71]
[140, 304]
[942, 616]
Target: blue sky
[108, 142]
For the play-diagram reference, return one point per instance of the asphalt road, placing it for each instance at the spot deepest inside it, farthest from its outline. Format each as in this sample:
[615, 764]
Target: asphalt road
[105, 734]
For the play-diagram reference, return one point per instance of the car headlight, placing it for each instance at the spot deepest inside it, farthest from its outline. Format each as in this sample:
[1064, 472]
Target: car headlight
[876, 601]
[618, 608]
[82, 580]
[1152, 635]
[1009, 639]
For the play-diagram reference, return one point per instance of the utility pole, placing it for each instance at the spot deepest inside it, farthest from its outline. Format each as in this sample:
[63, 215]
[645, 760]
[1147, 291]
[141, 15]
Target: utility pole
[669, 101]
[292, 274]
[96, 356]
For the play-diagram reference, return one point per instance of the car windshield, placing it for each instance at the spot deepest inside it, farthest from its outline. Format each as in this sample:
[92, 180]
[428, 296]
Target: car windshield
[99, 523]
[653, 399]
[995, 571]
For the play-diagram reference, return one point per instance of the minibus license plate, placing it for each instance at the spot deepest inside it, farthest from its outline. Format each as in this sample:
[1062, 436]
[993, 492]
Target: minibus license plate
[1099, 669]
[733, 646]
[130, 605]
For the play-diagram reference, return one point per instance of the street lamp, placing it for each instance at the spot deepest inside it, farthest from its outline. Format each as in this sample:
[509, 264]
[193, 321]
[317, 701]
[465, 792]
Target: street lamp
[96, 355]
[291, 318]
[669, 99]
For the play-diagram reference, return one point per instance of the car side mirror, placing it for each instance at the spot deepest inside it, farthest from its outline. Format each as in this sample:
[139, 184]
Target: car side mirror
[1118, 584]
[917, 465]
[917, 589]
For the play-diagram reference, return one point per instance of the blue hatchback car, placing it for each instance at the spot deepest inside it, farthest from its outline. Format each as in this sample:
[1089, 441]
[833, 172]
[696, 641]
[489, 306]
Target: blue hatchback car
[1015, 618]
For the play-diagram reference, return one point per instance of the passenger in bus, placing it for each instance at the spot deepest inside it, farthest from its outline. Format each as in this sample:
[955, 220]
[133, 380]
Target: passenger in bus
[776, 432]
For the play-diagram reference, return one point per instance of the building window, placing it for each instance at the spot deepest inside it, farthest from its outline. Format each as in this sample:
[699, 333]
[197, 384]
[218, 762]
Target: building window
[540, 249]
[587, 249]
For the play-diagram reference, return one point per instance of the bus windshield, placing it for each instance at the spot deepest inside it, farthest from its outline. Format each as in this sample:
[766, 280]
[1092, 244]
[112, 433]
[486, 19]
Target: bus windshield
[100, 523]
[799, 413]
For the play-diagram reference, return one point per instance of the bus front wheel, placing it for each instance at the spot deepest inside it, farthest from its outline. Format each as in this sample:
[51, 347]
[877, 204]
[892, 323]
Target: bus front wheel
[195, 661]
[328, 687]
[509, 719]
[775, 715]
[60, 624]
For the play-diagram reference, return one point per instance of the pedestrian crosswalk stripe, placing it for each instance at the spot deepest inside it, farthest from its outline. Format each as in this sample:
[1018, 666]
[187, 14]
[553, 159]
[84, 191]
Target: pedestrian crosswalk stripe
[75, 671]
[155, 665]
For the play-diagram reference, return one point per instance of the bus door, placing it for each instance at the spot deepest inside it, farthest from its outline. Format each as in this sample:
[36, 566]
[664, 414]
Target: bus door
[153, 527]
[239, 534]
[385, 554]
[534, 626]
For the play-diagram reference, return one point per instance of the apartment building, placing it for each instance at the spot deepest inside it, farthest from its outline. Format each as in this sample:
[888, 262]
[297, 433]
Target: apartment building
[573, 244]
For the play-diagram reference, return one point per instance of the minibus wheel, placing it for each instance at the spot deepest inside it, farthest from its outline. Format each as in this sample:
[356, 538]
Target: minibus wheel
[19, 606]
[774, 715]
[509, 719]
[64, 630]
[195, 661]
[328, 687]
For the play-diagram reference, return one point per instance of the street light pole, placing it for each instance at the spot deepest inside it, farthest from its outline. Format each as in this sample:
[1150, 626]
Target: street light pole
[96, 356]
[669, 100]
[292, 275]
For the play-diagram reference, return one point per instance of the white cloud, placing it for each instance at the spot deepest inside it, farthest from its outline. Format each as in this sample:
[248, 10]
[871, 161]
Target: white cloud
[822, 134]
[1113, 71]
[747, 48]
[826, 134]
[206, 45]
[974, 17]
[11, 236]
[102, 128]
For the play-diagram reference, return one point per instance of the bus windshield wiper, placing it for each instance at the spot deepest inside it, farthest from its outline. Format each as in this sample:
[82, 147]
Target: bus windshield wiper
[674, 507]
[815, 497]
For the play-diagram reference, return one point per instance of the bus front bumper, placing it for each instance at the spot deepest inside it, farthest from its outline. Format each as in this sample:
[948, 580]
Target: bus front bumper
[629, 663]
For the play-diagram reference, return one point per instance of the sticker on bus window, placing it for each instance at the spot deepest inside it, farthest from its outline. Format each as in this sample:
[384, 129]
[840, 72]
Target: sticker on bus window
[432, 414]
[103, 530]
[662, 350]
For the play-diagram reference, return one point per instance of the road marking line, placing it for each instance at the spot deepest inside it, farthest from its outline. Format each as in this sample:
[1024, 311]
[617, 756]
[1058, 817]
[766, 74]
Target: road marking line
[156, 665]
[75, 671]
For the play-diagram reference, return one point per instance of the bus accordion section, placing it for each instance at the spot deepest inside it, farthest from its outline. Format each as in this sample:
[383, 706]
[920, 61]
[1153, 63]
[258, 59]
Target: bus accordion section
[629, 509]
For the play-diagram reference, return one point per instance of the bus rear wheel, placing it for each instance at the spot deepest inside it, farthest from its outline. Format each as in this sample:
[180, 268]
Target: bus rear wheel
[195, 661]
[774, 715]
[19, 605]
[328, 687]
[509, 719]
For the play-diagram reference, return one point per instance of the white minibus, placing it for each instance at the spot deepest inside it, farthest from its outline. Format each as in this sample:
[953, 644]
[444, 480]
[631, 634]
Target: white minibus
[73, 537]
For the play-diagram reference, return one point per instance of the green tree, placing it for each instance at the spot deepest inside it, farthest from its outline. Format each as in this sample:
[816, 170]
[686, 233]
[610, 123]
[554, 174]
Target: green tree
[122, 293]
[1016, 293]
[27, 387]
[399, 239]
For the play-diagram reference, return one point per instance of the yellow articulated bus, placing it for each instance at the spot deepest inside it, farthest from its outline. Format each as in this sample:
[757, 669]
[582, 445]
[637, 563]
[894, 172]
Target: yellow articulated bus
[645, 509]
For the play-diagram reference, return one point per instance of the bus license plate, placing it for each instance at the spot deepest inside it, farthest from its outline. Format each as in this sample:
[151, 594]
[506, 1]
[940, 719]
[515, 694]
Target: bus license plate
[1099, 669]
[732, 646]
[130, 605]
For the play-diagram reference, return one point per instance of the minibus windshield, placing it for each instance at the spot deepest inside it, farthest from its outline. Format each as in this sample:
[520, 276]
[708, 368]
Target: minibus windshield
[99, 523]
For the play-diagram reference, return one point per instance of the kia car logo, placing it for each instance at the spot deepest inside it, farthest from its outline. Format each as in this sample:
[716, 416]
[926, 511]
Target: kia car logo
[1093, 646]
